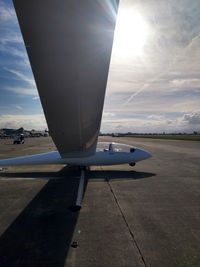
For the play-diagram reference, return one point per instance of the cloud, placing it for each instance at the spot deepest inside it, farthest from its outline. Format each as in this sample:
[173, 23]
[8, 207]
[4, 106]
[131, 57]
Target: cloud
[192, 118]
[19, 107]
[11, 41]
[14, 57]
[108, 114]
[155, 117]
[16, 52]
[11, 37]
[28, 122]
[7, 14]
[186, 82]
[21, 91]
[155, 102]
[36, 97]
[23, 77]
[170, 49]
[133, 125]
[153, 124]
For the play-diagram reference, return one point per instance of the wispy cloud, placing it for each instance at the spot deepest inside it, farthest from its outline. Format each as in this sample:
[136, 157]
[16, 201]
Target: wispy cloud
[156, 102]
[19, 107]
[23, 77]
[22, 91]
[11, 41]
[186, 82]
[7, 14]
[15, 52]
[108, 114]
[11, 37]
[35, 97]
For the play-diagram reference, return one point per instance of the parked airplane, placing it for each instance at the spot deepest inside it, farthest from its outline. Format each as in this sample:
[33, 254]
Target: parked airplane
[69, 46]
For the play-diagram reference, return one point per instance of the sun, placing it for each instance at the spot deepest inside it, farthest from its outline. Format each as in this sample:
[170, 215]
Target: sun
[130, 34]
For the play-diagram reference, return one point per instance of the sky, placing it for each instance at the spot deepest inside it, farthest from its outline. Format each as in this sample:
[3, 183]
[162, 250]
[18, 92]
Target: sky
[154, 77]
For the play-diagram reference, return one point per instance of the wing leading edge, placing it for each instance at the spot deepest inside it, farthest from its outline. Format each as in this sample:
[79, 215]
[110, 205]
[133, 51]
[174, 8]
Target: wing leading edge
[69, 46]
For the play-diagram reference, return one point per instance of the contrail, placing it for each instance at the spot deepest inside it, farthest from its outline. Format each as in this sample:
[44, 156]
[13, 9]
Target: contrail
[146, 85]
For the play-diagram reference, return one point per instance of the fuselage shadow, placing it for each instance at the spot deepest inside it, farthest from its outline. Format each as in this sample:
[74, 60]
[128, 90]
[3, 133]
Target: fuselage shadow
[118, 175]
[74, 172]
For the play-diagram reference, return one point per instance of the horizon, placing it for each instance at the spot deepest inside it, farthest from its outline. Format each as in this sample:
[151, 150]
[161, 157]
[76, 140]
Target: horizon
[110, 133]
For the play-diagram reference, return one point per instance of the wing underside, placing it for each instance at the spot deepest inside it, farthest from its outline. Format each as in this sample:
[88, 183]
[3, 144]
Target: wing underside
[69, 45]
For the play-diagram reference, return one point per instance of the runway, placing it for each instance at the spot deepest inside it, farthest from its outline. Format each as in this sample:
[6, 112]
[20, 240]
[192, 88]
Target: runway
[147, 215]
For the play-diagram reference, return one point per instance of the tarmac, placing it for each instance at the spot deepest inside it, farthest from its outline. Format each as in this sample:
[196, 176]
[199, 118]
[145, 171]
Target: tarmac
[147, 215]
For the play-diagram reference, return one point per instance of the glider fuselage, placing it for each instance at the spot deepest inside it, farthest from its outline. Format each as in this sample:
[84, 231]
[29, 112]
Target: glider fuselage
[103, 156]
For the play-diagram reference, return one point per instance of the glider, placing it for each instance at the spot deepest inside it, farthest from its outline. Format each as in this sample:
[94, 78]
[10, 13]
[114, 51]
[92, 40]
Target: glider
[69, 46]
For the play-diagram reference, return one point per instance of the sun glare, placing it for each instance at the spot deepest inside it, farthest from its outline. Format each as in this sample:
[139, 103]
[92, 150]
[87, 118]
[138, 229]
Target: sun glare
[130, 34]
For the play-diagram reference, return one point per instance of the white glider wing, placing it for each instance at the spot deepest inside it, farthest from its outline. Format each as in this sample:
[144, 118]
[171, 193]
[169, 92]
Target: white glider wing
[69, 45]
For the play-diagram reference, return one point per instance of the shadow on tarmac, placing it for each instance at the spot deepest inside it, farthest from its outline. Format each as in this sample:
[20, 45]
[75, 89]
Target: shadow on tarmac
[74, 172]
[63, 173]
[41, 235]
[112, 175]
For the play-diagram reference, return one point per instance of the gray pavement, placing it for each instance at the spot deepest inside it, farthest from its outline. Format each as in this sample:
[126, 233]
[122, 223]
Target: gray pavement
[147, 215]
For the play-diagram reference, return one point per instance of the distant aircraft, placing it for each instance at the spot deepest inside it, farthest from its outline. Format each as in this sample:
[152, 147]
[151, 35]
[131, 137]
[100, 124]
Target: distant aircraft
[69, 46]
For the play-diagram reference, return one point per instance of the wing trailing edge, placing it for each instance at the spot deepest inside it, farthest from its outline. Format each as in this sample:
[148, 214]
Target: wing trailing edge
[69, 46]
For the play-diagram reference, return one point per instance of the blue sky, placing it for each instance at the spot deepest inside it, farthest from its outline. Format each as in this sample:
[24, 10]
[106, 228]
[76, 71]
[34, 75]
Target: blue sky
[154, 78]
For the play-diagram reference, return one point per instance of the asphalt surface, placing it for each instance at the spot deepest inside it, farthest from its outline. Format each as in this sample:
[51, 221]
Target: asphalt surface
[147, 215]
